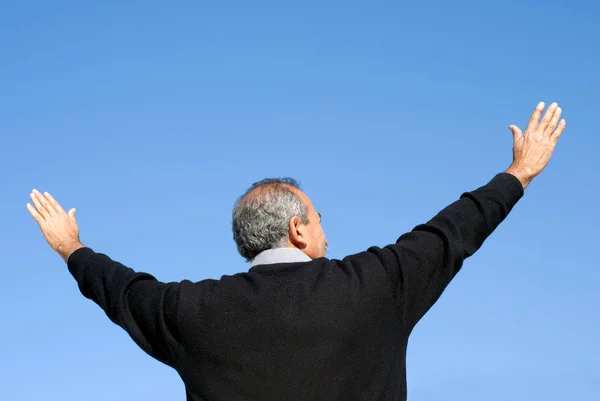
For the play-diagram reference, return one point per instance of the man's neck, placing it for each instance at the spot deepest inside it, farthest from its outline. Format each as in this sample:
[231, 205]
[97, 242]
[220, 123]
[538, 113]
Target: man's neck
[280, 255]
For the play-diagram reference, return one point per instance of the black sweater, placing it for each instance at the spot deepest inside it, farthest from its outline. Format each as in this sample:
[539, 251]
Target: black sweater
[319, 330]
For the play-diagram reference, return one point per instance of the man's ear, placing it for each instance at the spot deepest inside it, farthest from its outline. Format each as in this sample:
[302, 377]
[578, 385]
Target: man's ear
[297, 233]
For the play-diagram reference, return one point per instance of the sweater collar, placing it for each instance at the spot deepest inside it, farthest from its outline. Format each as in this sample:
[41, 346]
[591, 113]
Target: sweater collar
[280, 255]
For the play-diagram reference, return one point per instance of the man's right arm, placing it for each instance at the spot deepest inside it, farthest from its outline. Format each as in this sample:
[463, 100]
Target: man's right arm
[423, 262]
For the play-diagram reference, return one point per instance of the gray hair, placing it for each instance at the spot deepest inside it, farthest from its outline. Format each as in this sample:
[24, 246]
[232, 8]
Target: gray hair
[261, 216]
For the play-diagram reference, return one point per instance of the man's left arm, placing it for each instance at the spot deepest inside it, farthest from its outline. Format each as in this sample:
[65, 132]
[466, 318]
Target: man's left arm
[143, 306]
[140, 304]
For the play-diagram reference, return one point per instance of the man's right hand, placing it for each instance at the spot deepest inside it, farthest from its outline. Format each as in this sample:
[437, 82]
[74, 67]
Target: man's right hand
[533, 149]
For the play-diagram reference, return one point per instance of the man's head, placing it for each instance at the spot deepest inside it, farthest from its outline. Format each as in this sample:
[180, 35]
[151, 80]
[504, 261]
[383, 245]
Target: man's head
[275, 213]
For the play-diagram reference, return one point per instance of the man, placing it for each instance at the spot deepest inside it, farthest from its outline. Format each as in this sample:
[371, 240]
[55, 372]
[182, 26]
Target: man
[298, 326]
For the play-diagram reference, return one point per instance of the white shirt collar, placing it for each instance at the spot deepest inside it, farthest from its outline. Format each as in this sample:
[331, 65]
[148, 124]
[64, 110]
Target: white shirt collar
[280, 255]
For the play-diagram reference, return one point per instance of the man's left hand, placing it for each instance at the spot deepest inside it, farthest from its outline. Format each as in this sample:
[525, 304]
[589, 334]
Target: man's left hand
[58, 227]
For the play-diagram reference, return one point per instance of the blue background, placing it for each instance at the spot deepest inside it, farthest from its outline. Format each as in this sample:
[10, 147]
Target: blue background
[152, 117]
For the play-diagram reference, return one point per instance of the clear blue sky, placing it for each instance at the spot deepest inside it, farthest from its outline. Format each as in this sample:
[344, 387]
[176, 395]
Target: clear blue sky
[152, 117]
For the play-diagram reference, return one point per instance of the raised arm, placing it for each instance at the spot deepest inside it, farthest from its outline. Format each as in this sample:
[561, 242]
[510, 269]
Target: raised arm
[424, 261]
[144, 307]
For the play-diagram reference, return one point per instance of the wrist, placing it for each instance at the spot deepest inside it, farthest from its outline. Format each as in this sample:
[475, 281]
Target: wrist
[521, 174]
[66, 249]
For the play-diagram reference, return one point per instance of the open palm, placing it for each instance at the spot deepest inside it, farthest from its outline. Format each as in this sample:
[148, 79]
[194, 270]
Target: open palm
[58, 227]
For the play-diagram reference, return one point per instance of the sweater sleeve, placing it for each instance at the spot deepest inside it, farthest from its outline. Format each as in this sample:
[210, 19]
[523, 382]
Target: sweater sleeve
[425, 260]
[144, 307]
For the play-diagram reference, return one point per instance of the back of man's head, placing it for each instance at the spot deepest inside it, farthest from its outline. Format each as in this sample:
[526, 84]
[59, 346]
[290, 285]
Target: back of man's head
[261, 216]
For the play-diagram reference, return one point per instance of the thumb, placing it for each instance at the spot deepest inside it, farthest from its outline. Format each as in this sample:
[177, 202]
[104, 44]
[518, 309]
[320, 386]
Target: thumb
[516, 131]
[72, 213]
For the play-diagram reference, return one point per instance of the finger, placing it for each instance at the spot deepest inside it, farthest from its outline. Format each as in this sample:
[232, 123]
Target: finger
[516, 131]
[44, 202]
[548, 117]
[53, 202]
[554, 122]
[535, 118]
[34, 213]
[38, 205]
[559, 130]
[72, 214]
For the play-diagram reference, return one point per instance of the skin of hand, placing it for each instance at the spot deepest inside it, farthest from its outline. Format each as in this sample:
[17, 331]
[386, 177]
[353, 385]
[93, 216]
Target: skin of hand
[533, 148]
[58, 227]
